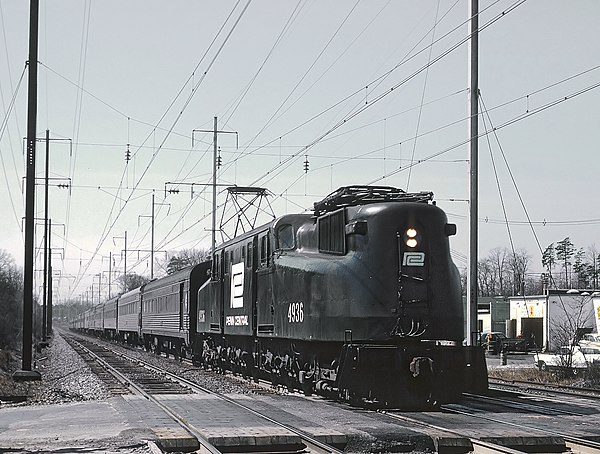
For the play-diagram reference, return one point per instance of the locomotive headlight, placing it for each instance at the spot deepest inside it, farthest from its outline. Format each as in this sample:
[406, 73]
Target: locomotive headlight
[411, 237]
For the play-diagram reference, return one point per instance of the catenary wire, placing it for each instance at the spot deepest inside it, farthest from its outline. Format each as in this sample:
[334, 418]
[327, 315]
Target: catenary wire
[109, 225]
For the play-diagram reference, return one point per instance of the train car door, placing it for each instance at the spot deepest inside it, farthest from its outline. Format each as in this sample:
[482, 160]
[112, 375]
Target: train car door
[215, 315]
[253, 278]
[265, 306]
[182, 304]
[241, 291]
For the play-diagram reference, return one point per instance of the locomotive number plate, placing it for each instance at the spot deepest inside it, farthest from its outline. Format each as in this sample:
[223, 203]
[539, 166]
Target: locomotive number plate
[413, 259]
[296, 312]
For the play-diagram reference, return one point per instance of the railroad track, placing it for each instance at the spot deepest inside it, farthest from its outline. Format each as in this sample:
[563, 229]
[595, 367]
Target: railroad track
[126, 374]
[121, 374]
[523, 386]
[557, 441]
[472, 411]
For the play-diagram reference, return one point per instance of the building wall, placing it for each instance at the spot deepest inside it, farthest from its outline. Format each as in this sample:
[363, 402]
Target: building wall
[492, 314]
[555, 317]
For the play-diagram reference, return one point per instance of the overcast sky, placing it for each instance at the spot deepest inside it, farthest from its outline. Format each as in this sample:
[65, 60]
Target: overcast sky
[368, 92]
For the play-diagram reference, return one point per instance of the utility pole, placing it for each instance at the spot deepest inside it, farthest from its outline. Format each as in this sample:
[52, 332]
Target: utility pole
[49, 312]
[216, 133]
[125, 264]
[214, 191]
[125, 252]
[99, 285]
[109, 272]
[152, 251]
[152, 242]
[473, 170]
[26, 374]
[44, 294]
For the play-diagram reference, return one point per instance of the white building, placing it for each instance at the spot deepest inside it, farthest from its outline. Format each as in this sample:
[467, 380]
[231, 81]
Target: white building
[556, 318]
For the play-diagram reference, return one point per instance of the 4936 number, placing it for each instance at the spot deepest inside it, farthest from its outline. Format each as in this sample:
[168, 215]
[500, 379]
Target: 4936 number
[296, 312]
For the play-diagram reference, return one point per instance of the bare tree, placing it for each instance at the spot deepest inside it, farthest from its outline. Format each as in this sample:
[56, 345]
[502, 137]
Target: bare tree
[573, 314]
[186, 257]
[518, 264]
[131, 281]
[11, 295]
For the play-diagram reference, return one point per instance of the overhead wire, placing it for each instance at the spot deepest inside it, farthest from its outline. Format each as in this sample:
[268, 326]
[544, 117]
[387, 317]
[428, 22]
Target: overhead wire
[86, 18]
[281, 195]
[109, 224]
[414, 148]
[278, 114]
[284, 30]
[3, 128]
[493, 161]
[507, 123]
[362, 107]
[311, 66]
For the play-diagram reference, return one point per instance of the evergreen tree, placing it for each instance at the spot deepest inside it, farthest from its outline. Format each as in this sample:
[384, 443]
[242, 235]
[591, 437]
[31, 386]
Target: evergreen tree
[565, 250]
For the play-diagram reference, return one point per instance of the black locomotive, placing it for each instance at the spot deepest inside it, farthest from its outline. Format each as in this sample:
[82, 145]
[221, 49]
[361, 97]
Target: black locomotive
[359, 299]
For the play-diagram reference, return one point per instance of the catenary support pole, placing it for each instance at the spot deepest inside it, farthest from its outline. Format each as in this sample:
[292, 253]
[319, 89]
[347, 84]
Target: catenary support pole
[214, 192]
[26, 373]
[49, 326]
[473, 170]
[45, 289]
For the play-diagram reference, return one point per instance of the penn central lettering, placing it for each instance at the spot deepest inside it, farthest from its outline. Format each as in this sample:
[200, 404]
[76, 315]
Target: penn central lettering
[236, 320]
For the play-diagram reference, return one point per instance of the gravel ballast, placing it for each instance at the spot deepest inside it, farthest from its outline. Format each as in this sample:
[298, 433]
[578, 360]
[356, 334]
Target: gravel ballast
[65, 378]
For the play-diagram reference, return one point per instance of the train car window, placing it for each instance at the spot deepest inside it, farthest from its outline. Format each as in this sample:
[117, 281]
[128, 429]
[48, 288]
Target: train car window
[285, 237]
[215, 270]
[226, 260]
[249, 255]
[265, 250]
[243, 256]
[332, 238]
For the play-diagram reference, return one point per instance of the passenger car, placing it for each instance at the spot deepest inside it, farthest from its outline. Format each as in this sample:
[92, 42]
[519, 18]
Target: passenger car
[573, 357]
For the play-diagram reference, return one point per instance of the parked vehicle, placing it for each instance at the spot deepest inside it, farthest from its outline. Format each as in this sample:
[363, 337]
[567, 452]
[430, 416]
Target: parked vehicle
[496, 342]
[573, 358]
[591, 340]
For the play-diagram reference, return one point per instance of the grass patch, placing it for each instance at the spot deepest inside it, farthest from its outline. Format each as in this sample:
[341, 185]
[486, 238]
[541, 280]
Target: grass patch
[589, 378]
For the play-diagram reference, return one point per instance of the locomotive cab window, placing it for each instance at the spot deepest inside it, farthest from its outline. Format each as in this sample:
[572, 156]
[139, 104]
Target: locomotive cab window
[285, 237]
[332, 238]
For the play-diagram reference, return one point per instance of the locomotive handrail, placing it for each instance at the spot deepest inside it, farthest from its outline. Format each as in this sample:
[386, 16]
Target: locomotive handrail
[358, 195]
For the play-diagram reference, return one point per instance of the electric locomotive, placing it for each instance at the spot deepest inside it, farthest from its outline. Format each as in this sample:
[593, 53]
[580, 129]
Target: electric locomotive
[359, 299]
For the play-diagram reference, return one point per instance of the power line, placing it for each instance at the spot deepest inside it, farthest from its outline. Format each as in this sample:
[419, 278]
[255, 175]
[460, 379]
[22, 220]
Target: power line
[108, 227]
[359, 108]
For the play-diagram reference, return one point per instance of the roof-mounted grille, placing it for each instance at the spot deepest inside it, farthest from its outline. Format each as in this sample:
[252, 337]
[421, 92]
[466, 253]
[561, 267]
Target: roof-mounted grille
[358, 195]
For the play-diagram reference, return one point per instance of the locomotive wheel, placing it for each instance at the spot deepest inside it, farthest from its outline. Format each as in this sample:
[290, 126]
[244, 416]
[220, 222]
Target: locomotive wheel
[308, 379]
[247, 365]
